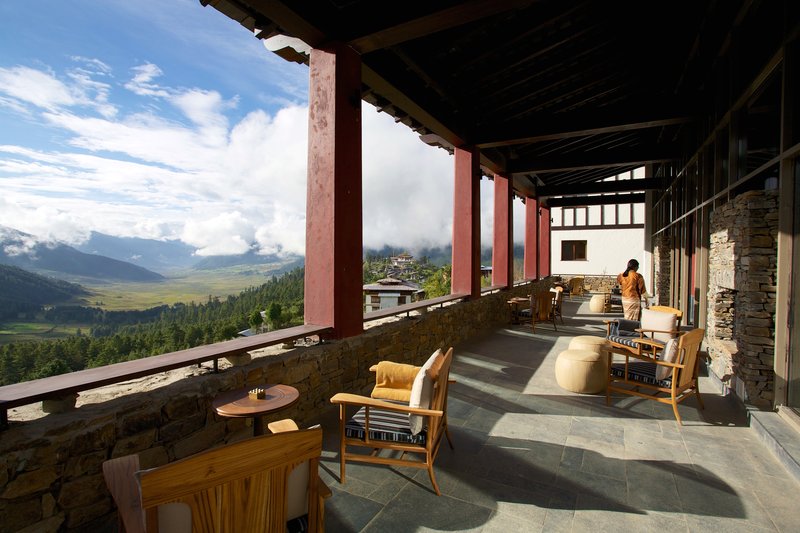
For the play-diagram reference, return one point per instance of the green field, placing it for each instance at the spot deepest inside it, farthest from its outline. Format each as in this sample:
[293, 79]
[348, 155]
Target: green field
[194, 286]
[37, 331]
[183, 287]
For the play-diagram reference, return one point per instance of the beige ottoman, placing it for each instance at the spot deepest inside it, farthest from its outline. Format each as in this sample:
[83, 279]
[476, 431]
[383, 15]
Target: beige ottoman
[582, 371]
[589, 342]
[597, 304]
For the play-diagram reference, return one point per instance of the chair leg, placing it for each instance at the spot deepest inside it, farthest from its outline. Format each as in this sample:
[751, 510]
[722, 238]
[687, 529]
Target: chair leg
[433, 478]
[342, 445]
[675, 410]
[699, 398]
[447, 435]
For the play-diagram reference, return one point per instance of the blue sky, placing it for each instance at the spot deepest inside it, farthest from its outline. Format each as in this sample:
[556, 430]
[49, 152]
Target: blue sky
[167, 120]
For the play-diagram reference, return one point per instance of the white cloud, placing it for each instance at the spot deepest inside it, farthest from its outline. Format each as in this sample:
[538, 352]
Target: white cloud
[35, 87]
[225, 188]
[24, 85]
[224, 234]
[141, 82]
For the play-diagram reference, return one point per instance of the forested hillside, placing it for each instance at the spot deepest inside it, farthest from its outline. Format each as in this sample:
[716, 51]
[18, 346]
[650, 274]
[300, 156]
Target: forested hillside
[25, 292]
[127, 335]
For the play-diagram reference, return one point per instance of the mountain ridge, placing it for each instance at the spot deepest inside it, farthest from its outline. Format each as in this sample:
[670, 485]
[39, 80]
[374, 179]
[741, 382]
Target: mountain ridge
[29, 253]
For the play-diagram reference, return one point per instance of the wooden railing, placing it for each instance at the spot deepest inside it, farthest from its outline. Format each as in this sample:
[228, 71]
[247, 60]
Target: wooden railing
[58, 386]
[413, 306]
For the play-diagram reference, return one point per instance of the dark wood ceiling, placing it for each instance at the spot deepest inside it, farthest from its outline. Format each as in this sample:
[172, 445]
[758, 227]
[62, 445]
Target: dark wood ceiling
[559, 94]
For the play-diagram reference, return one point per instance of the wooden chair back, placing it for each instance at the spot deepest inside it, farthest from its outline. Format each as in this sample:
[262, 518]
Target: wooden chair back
[542, 308]
[688, 356]
[576, 285]
[439, 396]
[237, 487]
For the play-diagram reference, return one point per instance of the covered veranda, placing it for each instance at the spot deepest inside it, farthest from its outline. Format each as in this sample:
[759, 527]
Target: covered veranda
[531, 456]
[548, 99]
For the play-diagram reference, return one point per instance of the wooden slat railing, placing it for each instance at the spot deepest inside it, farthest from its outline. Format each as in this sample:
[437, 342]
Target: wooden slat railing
[413, 306]
[57, 386]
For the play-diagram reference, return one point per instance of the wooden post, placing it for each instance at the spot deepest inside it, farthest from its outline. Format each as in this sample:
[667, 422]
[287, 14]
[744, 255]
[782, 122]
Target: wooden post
[531, 259]
[503, 248]
[333, 270]
[466, 223]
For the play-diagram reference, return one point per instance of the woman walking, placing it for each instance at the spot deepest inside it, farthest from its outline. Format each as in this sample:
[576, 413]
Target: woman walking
[632, 285]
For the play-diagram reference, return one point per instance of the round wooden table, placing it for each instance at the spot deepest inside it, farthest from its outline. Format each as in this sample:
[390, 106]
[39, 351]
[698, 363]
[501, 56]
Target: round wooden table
[237, 403]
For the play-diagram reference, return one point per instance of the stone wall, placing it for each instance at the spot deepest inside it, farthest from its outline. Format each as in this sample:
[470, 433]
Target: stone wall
[662, 265]
[601, 283]
[51, 468]
[741, 295]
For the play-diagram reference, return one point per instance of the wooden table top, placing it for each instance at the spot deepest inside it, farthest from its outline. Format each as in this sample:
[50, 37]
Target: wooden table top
[237, 403]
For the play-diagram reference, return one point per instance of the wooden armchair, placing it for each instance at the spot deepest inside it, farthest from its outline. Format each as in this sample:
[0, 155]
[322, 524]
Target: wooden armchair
[576, 286]
[265, 483]
[414, 427]
[541, 309]
[645, 337]
[670, 379]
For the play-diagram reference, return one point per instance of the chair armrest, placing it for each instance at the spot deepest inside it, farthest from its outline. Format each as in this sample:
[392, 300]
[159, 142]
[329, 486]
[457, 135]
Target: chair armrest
[344, 398]
[282, 426]
[648, 342]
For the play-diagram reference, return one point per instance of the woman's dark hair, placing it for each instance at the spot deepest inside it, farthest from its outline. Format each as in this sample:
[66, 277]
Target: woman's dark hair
[633, 264]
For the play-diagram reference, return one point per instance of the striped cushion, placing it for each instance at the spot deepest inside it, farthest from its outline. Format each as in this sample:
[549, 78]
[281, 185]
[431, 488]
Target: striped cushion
[384, 425]
[626, 340]
[641, 371]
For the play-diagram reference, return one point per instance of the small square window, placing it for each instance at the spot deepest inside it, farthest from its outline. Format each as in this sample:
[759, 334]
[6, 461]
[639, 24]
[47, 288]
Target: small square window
[573, 250]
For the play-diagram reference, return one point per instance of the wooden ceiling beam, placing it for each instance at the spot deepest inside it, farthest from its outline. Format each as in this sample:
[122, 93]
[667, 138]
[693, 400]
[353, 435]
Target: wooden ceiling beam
[452, 17]
[575, 201]
[557, 127]
[628, 185]
[595, 159]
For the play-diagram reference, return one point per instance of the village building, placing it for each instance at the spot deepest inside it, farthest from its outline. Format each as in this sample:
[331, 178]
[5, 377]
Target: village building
[389, 292]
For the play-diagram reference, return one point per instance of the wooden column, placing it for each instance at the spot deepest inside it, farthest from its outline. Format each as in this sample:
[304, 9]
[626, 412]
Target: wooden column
[503, 245]
[531, 258]
[333, 270]
[544, 242]
[466, 223]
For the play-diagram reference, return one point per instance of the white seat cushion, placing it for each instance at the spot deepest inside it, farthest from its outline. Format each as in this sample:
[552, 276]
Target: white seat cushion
[657, 320]
[421, 393]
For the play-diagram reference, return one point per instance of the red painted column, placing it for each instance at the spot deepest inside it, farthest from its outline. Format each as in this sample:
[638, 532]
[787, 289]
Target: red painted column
[544, 242]
[466, 223]
[333, 270]
[531, 258]
[503, 244]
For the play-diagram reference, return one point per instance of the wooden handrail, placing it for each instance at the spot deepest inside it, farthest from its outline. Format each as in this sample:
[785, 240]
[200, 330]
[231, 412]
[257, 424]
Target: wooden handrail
[413, 306]
[56, 386]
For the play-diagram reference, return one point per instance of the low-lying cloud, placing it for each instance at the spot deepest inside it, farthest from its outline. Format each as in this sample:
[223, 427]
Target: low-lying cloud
[181, 166]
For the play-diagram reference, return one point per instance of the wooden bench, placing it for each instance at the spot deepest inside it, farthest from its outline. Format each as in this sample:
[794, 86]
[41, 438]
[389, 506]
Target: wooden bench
[29, 392]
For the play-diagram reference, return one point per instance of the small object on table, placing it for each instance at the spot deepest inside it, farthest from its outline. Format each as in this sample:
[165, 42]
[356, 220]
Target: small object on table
[257, 394]
[240, 403]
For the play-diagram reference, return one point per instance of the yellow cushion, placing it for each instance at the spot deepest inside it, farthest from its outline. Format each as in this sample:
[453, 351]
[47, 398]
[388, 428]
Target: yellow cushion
[393, 381]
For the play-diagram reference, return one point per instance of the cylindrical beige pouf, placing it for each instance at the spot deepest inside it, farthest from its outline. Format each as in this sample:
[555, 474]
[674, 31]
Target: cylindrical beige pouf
[581, 371]
[597, 304]
[589, 342]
